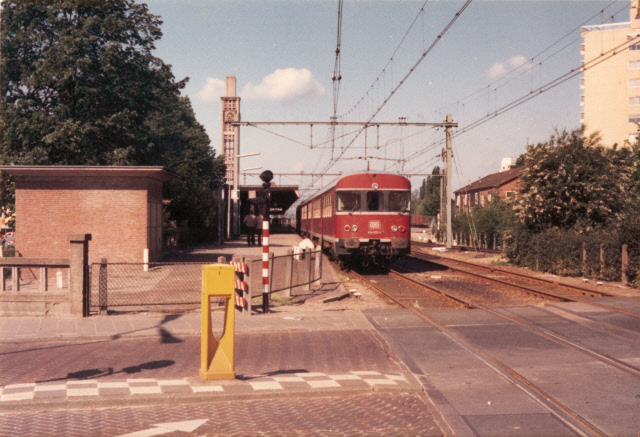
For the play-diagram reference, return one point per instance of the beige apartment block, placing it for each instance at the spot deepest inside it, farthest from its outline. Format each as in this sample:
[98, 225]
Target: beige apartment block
[611, 89]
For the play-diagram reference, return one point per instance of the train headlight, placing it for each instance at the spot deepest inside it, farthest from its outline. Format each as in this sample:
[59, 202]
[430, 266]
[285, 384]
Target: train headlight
[354, 228]
[347, 228]
[402, 229]
[394, 228]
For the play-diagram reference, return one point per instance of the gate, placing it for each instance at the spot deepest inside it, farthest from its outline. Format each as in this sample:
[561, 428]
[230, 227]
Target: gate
[157, 286]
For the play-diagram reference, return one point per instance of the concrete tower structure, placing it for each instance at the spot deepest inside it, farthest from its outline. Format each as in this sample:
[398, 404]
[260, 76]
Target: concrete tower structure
[230, 140]
[611, 89]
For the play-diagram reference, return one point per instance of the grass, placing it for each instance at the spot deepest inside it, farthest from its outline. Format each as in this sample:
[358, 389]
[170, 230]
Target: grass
[284, 301]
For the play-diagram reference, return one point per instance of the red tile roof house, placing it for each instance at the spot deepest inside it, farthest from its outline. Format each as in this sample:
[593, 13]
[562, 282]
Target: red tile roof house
[503, 184]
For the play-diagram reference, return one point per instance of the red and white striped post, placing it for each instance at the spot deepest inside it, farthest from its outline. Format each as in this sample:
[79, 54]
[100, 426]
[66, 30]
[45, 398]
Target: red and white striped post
[265, 266]
[266, 177]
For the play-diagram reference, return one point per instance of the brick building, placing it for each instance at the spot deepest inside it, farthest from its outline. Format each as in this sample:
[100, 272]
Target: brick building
[121, 207]
[504, 184]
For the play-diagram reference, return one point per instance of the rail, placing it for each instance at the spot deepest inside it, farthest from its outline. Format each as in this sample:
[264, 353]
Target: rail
[554, 406]
[540, 292]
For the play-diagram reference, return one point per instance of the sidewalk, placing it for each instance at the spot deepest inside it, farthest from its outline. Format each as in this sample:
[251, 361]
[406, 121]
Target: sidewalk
[148, 359]
[155, 358]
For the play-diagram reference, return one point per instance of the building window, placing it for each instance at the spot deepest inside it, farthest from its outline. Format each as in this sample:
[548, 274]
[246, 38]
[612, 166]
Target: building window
[582, 100]
[634, 118]
[633, 137]
[634, 65]
[634, 83]
[634, 100]
[634, 47]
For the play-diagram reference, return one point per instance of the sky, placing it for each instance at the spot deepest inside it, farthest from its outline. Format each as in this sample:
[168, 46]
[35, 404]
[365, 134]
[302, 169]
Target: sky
[282, 53]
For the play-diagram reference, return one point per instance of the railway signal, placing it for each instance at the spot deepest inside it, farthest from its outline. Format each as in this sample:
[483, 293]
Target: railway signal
[267, 177]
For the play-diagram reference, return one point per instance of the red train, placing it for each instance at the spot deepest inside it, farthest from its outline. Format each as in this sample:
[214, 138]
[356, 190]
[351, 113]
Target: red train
[362, 218]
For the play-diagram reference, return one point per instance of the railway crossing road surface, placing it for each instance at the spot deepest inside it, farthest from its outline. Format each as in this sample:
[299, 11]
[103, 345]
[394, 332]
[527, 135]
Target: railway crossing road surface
[371, 372]
[485, 400]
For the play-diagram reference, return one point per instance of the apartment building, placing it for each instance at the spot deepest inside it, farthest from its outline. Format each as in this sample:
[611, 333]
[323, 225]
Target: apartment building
[611, 89]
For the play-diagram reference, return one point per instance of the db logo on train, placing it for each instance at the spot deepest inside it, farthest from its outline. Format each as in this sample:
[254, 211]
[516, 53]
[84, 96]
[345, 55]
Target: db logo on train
[374, 224]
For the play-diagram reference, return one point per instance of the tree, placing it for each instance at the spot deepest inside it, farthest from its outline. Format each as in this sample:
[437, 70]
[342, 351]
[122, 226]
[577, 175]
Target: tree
[571, 181]
[429, 195]
[79, 86]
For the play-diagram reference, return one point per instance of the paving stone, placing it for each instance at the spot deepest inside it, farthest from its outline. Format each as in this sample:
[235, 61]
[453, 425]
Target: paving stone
[367, 414]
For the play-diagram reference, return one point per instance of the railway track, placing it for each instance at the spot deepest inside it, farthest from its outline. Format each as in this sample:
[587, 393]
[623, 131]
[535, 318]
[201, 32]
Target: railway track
[570, 417]
[460, 248]
[526, 283]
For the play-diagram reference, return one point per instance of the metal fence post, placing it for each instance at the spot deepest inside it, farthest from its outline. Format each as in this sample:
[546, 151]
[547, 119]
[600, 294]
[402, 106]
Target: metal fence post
[318, 267]
[311, 265]
[625, 263]
[271, 287]
[307, 265]
[102, 287]
[288, 278]
[247, 278]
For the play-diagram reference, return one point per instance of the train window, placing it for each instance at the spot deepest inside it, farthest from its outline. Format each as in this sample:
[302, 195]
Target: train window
[373, 200]
[399, 201]
[348, 200]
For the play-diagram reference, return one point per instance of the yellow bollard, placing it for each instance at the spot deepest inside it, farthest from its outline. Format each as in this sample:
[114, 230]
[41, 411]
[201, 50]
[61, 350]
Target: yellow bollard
[217, 355]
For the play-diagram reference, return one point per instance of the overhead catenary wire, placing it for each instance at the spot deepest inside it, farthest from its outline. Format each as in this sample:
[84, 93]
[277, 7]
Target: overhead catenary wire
[531, 60]
[540, 90]
[404, 79]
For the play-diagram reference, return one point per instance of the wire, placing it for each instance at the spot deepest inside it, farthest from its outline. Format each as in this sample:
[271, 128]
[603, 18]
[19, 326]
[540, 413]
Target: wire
[421, 12]
[534, 93]
[493, 84]
[411, 70]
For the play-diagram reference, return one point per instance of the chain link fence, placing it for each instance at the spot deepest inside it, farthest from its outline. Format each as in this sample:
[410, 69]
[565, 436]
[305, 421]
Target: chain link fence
[158, 286]
[287, 272]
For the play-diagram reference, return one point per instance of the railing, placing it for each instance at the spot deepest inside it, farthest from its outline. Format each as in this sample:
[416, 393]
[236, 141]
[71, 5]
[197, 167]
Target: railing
[23, 278]
[28, 289]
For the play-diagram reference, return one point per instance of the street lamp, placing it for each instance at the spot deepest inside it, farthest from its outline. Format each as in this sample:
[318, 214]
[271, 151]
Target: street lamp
[245, 170]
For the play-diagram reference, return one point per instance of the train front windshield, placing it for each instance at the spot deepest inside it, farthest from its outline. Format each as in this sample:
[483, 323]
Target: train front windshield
[397, 201]
[348, 200]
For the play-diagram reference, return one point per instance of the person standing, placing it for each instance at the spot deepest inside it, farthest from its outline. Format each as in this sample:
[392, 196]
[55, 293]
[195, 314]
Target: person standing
[259, 220]
[250, 225]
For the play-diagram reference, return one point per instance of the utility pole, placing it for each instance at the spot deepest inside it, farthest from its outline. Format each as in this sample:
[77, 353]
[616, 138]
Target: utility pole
[449, 156]
[1, 76]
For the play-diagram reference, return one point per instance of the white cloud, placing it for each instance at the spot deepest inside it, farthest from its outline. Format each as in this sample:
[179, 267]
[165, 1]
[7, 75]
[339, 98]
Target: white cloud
[212, 91]
[284, 85]
[501, 68]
